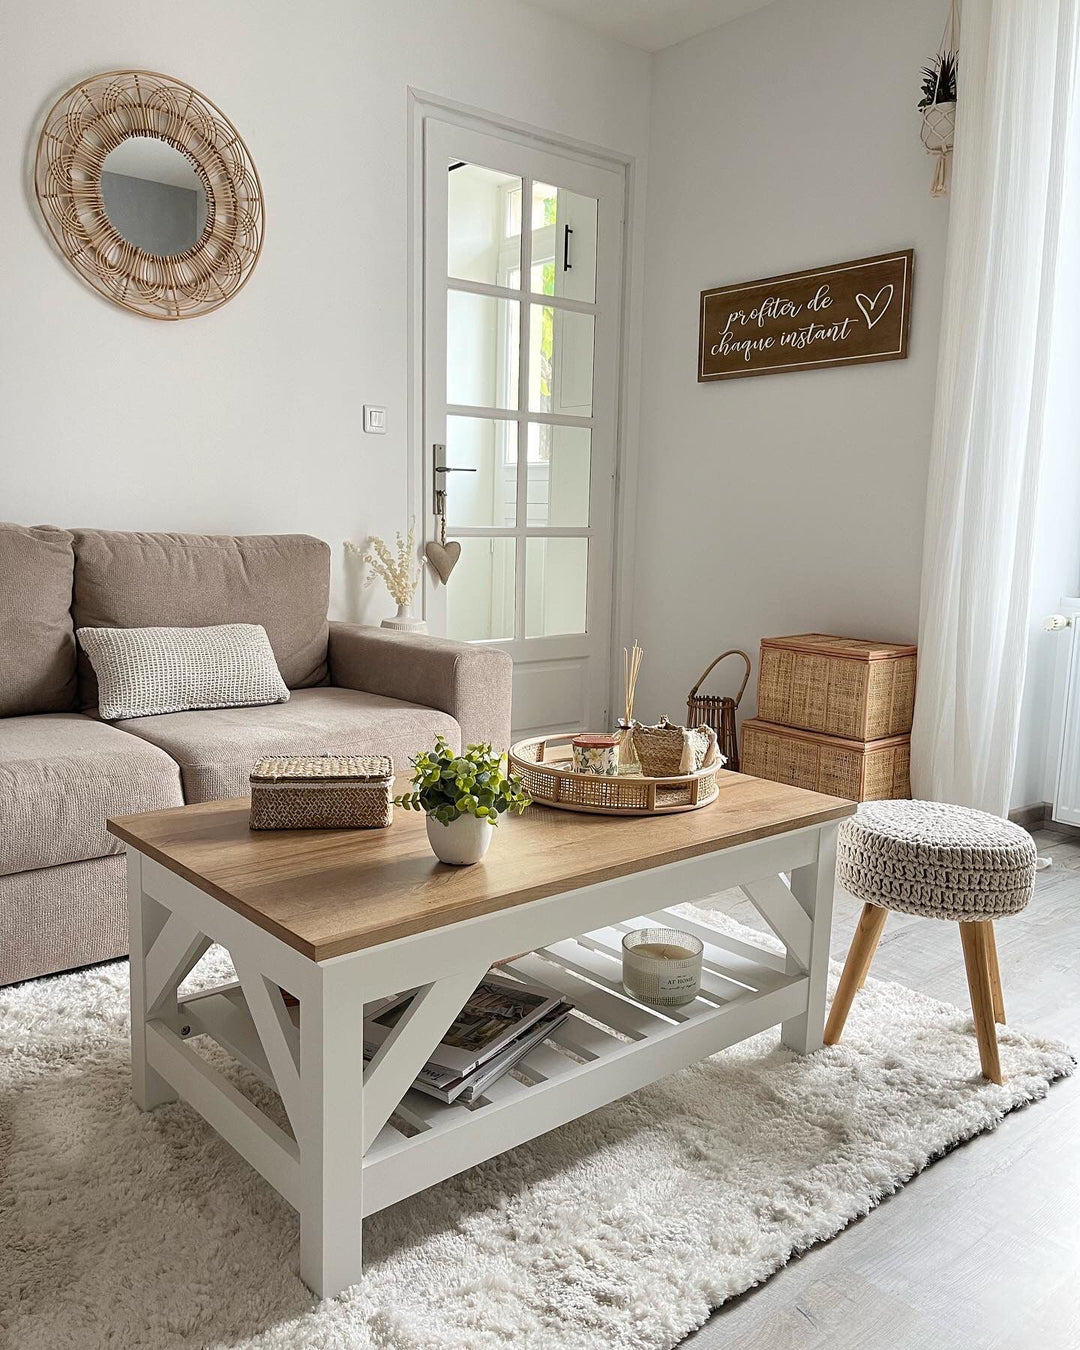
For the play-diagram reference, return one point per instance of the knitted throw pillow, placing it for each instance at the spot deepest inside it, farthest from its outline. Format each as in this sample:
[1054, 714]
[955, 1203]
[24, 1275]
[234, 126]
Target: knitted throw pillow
[142, 672]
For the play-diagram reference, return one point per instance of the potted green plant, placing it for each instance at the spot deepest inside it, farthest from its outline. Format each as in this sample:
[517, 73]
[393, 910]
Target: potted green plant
[939, 80]
[464, 796]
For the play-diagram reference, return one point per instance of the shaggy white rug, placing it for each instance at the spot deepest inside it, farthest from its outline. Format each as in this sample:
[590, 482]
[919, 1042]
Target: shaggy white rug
[622, 1230]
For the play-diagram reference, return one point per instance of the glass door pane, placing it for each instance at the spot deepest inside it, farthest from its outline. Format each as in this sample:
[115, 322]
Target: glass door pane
[480, 603]
[556, 585]
[560, 361]
[481, 350]
[559, 468]
[563, 258]
[489, 495]
[483, 224]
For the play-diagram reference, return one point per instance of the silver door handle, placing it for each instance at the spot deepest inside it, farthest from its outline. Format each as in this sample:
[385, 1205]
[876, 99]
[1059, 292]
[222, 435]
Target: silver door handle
[437, 489]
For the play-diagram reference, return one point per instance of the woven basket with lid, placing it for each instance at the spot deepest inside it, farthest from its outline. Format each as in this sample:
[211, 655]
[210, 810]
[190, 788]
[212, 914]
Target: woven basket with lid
[322, 792]
[861, 771]
[846, 687]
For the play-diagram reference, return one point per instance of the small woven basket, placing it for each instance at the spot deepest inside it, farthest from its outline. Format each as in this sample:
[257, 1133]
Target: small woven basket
[718, 710]
[322, 792]
[665, 749]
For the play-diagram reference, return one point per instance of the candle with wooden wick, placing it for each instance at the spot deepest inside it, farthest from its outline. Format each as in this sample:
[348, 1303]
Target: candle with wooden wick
[662, 966]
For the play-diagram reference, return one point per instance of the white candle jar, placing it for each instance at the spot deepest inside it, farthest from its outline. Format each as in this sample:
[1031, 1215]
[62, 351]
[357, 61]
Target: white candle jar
[662, 966]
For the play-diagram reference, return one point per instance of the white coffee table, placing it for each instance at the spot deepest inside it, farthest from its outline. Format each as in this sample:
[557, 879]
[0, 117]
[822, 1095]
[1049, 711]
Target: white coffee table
[342, 918]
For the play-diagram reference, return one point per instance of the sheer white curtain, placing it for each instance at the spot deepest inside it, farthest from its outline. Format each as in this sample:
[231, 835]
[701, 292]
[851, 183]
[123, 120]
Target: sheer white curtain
[1017, 126]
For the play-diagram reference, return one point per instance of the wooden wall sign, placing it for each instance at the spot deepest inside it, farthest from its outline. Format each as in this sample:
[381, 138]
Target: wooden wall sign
[829, 316]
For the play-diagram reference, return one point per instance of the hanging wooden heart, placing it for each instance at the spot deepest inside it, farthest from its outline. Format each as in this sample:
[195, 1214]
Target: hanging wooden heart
[443, 557]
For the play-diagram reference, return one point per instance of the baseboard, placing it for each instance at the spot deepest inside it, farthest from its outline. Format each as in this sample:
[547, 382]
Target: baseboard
[1031, 817]
[1039, 817]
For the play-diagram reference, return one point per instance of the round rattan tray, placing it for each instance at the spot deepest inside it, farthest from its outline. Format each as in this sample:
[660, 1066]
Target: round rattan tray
[544, 764]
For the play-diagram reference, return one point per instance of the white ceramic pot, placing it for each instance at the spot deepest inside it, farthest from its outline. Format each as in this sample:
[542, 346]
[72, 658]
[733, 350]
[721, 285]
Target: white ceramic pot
[463, 841]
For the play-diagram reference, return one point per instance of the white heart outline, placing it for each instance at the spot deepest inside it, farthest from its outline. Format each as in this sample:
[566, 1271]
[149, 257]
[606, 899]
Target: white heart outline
[868, 306]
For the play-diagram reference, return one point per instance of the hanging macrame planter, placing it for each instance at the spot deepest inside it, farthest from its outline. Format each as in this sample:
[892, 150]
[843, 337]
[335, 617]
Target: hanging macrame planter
[938, 105]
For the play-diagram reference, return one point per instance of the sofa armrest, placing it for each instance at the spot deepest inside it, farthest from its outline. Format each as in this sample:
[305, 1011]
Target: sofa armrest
[471, 683]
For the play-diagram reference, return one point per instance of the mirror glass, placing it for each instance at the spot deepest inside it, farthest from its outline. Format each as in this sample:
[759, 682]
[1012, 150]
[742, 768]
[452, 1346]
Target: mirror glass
[153, 196]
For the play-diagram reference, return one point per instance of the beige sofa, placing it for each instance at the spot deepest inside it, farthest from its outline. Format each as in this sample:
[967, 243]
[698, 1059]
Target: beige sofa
[63, 771]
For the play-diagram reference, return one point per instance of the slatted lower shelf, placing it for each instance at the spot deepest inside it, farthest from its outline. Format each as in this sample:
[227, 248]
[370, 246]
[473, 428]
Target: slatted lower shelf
[609, 1046]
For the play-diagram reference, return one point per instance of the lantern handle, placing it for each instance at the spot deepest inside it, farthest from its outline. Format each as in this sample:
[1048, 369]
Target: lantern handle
[734, 651]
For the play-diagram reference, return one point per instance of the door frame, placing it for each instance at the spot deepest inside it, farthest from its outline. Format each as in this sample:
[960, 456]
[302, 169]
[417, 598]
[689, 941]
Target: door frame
[422, 106]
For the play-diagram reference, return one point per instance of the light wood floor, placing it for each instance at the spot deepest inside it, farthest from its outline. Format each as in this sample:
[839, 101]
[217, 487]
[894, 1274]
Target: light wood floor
[982, 1251]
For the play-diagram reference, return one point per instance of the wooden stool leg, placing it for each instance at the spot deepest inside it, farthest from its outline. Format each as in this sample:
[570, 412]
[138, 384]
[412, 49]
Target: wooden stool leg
[976, 938]
[860, 954]
[995, 973]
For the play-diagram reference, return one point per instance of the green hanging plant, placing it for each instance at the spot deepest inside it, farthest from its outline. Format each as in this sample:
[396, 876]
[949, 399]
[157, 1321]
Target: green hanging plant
[939, 80]
[446, 785]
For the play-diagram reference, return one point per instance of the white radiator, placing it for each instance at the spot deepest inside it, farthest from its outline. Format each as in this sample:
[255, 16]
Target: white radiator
[1065, 730]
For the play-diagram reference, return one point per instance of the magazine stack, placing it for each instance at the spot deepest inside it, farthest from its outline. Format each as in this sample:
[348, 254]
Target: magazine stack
[501, 1022]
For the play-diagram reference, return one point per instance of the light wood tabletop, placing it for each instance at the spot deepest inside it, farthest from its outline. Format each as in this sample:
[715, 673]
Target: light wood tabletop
[328, 892]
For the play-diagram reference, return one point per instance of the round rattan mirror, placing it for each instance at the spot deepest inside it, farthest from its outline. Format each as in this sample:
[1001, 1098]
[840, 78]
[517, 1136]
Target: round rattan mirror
[150, 193]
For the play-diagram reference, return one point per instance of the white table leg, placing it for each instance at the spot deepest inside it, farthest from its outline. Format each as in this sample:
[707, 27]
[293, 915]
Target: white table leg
[146, 918]
[813, 885]
[331, 1136]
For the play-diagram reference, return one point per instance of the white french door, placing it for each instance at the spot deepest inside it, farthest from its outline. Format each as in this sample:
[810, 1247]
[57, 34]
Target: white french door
[522, 289]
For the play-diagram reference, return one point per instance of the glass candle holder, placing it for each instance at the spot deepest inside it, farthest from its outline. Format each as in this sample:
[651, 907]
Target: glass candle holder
[662, 966]
[628, 761]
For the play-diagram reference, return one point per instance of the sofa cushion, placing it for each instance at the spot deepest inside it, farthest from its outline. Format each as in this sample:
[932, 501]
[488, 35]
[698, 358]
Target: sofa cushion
[37, 646]
[61, 776]
[281, 581]
[216, 749]
[143, 672]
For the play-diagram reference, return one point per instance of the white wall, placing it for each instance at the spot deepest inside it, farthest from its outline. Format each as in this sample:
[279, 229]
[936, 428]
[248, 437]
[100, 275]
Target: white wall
[248, 419]
[783, 503]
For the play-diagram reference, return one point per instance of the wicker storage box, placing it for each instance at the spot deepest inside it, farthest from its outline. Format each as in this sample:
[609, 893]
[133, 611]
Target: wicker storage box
[862, 771]
[863, 691]
[322, 792]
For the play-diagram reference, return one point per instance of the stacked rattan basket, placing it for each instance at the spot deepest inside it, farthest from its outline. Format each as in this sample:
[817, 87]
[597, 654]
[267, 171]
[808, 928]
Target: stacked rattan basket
[834, 715]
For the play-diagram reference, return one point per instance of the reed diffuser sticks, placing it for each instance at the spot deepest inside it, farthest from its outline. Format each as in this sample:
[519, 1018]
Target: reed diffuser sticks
[628, 760]
[631, 666]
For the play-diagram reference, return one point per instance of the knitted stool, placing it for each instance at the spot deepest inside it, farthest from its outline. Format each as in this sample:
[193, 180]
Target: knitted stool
[945, 862]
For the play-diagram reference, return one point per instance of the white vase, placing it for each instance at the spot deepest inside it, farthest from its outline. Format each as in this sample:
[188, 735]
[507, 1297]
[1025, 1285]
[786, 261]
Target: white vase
[462, 842]
[405, 622]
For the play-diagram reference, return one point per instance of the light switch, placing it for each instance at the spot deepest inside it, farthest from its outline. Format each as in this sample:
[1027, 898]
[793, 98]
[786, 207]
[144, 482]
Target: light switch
[374, 420]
